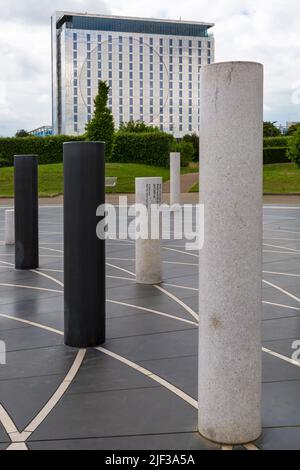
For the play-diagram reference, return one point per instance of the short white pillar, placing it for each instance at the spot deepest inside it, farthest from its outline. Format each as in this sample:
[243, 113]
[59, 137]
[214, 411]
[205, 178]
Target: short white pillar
[148, 251]
[9, 227]
[175, 192]
[231, 260]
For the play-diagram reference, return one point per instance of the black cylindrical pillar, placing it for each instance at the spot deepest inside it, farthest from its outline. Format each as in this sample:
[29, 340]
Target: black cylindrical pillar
[84, 253]
[26, 212]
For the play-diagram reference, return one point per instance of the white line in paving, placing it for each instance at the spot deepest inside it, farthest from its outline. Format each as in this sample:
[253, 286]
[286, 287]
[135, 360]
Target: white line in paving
[152, 376]
[281, 305]
[56, 397]
[282, 248]
[31, 287]
[280, 356]
[180, 251]
[281, 274]
[178, 301]
[167, 315]
[281, 252]
[292, 296]
[251, 447]
[17, 446]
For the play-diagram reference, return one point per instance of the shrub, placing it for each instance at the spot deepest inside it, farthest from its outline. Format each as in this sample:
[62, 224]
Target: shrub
[101, 127]
[281, 141]
[150, 148]
[275, 155]
[186, 150]
[193, 139]
[49, 149]
[294, 148]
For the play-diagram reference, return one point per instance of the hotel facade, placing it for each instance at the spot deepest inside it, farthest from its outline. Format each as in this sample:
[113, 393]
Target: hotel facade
[152, 67]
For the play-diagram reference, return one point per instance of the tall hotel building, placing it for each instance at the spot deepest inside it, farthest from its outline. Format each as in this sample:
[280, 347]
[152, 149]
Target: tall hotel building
[152, 67]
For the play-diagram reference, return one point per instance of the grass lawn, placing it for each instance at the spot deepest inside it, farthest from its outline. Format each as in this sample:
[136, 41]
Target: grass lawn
[51, 177]
[280, 178]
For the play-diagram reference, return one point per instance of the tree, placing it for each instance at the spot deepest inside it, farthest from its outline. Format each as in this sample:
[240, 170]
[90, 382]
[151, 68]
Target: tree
[186, 151]
[137, 126]
[270, 130]
[22, 133]
[194, 140]
[292, 129]
[294, 148]
[101, 127]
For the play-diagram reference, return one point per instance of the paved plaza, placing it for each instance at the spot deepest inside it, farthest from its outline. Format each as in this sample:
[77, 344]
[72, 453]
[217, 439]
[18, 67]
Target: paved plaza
[140, 390]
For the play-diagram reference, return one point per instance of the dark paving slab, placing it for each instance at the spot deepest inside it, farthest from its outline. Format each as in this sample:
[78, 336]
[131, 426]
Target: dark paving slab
[100, 373]
[4, 438]
[281, 404]
[35, 363]
[35, 338]
[156, 346]
[37, 305]
[284, 328]
[187, 441]
[142, 323]
[117, 413]
[276, 370]
[180, 371]
[280, 439]
[273, 312]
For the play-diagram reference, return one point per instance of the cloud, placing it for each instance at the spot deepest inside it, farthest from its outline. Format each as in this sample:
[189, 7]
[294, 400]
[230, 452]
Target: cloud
[265, 31]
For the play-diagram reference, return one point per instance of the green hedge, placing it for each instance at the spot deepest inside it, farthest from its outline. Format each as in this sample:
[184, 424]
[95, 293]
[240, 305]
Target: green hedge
[281, 141]
[48, 149]
[275, 155]
[150, 148]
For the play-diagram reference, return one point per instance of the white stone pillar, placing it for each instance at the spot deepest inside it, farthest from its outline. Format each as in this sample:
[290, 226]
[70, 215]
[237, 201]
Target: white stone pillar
[148, 251]
[175, 192]
[9, 227]
[230, 281]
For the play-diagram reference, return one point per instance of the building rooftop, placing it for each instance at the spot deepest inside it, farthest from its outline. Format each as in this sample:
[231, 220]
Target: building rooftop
[131, 24]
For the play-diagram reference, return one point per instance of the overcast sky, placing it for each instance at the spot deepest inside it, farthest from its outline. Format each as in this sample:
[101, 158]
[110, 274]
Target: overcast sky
[266, 31]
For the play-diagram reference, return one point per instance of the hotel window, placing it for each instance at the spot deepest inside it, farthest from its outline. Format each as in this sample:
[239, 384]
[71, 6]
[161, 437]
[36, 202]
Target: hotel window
[74, 36]
[75, 55]
[99, 56]
[109, 38]
[131, 83]
[209, 60]
[75, 91]
[75, 127]
[190, 43]
[75, 109]
[109, 47]
[141, 40]
[131, 40]
[120, 48]
[151, 41]
[180, 51]
[110, 56]
[120, 39]
[161, 42]
[89, 100]
[88, 38]
[75, 46]
[180, 42]
[88, 46]
[99, 74]
[208, 44]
